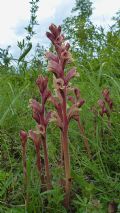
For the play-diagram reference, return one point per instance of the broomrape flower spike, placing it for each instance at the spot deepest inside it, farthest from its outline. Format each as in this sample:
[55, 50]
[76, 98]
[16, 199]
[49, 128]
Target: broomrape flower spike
[35, 137]
[63, 114]
[44, 118]
[106, 105]
[38, 136]
[106, 95]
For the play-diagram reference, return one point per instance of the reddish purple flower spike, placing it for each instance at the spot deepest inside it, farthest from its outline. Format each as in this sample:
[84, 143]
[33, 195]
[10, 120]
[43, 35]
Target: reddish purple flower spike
[42, 118]
[107, 98]
[23, 137]
[62, 87]
[104, 110]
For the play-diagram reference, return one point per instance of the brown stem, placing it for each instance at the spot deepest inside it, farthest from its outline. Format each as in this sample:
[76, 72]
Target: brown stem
[39, 164]
[46, 162]
[67, 168]
[62, 154]
[86, 144]
[24, 165]
[65, 146]
[25, 173]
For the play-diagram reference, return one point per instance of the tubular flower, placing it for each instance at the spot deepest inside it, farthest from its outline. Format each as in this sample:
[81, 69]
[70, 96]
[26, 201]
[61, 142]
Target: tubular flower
[35, 137]
[42, 83]
[56, 68]
[51, 56]
[58, 83]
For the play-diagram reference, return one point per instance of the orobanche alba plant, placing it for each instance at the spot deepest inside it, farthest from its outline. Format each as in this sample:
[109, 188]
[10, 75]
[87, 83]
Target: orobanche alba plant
[66, 102]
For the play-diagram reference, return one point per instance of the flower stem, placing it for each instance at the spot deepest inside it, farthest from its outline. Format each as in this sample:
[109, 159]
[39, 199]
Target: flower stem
[39, 164]
[25, 174]
[65, 146]
[46, 163]
[67, 168]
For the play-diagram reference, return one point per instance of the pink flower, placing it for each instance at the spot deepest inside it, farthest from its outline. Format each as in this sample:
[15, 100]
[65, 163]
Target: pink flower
[77, 93]
[56, 68]
[59, 83]
[70, 75]
[36, 109]
[59, 40]
[42, 83]
[54, 36]
[57, 106]
[55, 30]
[35, 136]
[46, 94]
[35, 105]
[50, 56]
